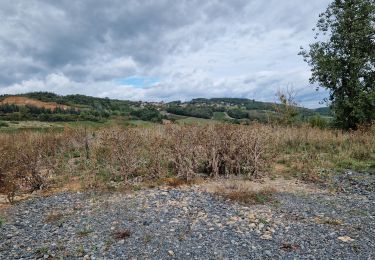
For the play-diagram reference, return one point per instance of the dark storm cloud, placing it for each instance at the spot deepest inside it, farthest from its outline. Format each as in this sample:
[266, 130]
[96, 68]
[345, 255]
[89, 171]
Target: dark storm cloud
[208, 48]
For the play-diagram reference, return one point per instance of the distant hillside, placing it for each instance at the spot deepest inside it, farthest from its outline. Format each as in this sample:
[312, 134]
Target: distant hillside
[237, 109]
[47, 106]
[23, 101]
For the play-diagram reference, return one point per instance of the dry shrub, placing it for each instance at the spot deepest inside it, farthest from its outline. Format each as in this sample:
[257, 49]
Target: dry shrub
[186, 150]
[218, 150]
[26, 161]
[53, 217]
[177, 182]
[29, 160]
[238, 192]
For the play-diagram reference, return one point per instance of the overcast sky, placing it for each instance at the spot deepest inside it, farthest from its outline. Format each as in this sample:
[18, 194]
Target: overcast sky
[158, 50]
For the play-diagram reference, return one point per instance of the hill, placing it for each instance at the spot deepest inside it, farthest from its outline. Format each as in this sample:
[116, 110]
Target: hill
[45, 106]
[23, 101]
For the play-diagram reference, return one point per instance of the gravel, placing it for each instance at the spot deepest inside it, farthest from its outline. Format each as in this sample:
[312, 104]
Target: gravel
[191, 224]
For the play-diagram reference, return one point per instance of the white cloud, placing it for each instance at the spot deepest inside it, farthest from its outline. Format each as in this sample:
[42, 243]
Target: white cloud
[214, 48]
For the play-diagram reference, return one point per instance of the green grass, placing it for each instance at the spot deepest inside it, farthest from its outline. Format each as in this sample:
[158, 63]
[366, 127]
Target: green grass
[195, 120]
[41, 251]
[141, 123]
[3, 124]
[220, 116]
[84, 232]
[2, 221]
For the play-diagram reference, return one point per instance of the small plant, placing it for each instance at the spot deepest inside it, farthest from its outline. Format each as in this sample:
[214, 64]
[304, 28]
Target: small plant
[263, 221]
[329, 221]
[80, 251]
[84, 232]
[147, 238]
[2, 221]
[53, 217]
[41, 251]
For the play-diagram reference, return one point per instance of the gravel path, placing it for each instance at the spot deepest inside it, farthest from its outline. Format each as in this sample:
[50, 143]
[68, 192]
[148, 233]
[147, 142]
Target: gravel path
[191, 224]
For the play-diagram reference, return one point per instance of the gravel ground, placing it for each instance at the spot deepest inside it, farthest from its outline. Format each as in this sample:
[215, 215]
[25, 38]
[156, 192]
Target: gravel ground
[192, 224]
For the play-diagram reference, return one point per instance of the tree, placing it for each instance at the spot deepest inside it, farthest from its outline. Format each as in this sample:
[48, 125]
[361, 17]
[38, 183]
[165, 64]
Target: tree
[343, 61]
[287, 109]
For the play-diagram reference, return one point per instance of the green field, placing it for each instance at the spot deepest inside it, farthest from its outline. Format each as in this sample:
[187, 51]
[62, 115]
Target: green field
[195, 120]
[221, 116]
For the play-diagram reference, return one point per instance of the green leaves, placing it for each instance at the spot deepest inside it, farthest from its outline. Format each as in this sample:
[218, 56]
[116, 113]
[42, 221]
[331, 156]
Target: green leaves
[343, 61]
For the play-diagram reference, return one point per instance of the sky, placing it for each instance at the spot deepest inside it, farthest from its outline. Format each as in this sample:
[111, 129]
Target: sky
[158, 50]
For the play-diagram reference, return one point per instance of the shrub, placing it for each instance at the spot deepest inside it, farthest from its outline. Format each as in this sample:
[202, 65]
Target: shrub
[242, 194]
[3, 124]
[318, 121]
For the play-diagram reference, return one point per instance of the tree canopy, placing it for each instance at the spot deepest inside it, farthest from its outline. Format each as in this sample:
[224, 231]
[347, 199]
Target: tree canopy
[343, 60]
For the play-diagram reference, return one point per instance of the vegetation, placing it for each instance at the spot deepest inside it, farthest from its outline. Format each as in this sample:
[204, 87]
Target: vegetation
[191, 110]
[3, 124]
[118, 157]
[238, 113]
[13, 112]
[147, 114]
[49, 107]
[243, 194]
[344, 60]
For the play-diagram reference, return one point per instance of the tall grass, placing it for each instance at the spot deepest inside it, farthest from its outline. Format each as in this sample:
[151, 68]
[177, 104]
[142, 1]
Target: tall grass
[34, 160]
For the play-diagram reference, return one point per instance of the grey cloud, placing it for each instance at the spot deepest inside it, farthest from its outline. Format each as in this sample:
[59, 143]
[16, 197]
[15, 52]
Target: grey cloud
[197, 48]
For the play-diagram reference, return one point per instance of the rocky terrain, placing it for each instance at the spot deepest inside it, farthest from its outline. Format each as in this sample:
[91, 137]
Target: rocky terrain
[191, 223]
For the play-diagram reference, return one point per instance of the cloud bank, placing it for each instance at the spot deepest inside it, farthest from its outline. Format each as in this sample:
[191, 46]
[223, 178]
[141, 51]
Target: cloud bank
[213, 48]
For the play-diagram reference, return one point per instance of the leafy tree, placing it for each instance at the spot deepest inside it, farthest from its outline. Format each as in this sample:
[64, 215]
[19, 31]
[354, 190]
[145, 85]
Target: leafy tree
[287, 109]
[343, 60]
[238, 113]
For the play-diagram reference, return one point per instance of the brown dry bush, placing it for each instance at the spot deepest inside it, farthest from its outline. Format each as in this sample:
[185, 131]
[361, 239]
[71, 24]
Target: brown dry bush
[236, 191]
[26, 160]
[30, 160]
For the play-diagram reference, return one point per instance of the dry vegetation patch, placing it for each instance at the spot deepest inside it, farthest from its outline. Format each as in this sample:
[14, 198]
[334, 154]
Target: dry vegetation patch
[243, 195]
[125, 157]
[277, 185]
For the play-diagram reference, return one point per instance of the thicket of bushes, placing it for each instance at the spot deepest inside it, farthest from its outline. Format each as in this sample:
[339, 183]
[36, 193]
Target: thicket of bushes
[147, 114]
[31, 160]
[12, 112]
[194, 111]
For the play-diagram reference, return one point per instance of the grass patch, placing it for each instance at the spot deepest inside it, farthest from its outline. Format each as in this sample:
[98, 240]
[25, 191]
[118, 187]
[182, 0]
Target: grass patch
[3, 124]
[242, 194]
[84, 232]
[41, 251]
[177, 182]
[220, 116]
[329, 221]
[2, 221]
[53, 217]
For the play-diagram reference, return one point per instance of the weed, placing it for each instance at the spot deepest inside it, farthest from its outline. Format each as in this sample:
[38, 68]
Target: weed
[80, 251]
[84, 232]
[329, 221]
[263, 221]
[41, 251]
[53, 217]
[147, 238]
[2, 221]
